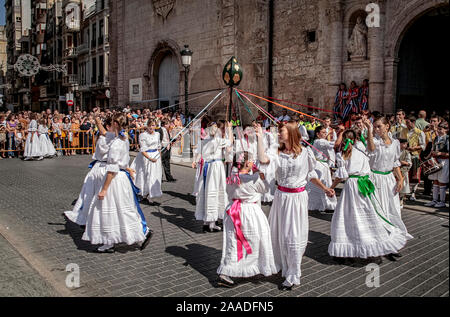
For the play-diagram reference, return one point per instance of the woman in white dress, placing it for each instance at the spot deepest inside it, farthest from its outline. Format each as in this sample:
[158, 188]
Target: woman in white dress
[96, 176]
[358, 227]
[47, 148]
[33, 144]
[288, 219]
[114, 215]
[211, 184]
[318, 200]
[245, 227]
[197, 162]
[147, 163]
[384, 158]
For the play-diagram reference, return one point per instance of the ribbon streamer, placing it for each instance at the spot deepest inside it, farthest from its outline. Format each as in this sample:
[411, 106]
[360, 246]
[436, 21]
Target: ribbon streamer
[136, 192]
[234, 213]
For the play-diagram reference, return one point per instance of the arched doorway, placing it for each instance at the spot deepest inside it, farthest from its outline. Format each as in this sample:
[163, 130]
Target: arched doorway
[168, 81]
[424, 64]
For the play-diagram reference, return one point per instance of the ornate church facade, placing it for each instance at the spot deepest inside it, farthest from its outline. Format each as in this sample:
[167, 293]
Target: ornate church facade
[298, 50]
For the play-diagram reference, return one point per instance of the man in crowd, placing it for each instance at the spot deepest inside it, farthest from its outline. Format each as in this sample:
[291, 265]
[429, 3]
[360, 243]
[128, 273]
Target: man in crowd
[165, 154]
[416, 141]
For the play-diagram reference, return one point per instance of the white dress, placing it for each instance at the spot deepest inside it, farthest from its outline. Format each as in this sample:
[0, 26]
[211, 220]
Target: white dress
[47, 148]
[211, 183]
[288, 216]
[356, 230]
[318, 200]
[115, 219]
[32, 149]
[93, 181]
[384, 159]
[271, 148]
[148, 174]
[255, 228]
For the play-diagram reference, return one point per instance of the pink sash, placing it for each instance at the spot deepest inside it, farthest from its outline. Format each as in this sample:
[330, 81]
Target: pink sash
[291, 190]
[233, 212]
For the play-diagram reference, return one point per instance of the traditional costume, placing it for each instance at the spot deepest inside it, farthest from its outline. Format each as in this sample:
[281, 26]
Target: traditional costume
[47, 148]
[357, 228]
[440, 144]
[148, 174]
[33, 148]
[340, 103]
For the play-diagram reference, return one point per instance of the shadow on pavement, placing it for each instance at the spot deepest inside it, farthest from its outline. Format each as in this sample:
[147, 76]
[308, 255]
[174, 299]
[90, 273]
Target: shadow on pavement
[181, 218]
[200, 257]
[187, 197]
[319, 215]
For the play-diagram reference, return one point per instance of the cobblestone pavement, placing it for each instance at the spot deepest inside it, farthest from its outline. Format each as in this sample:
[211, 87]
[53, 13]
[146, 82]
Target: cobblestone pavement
[182, 261]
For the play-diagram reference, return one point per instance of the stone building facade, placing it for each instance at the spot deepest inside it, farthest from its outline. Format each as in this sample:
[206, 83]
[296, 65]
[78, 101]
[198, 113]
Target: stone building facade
[290, 49]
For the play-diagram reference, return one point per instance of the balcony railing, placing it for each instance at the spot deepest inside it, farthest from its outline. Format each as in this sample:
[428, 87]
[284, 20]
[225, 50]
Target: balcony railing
[70, 52]
[70, 80]
[83, 48]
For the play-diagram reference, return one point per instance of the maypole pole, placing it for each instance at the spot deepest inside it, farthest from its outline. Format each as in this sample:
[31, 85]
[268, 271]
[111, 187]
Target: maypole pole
[232, 76]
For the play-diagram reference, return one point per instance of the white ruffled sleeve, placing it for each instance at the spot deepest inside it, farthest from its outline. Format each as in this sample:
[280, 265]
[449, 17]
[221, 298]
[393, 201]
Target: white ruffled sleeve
[341, 171]
[143, 142]
[262, 186]
[398, 152]
[114, 156]
[311, 165]
[33, 126]
[102, 145]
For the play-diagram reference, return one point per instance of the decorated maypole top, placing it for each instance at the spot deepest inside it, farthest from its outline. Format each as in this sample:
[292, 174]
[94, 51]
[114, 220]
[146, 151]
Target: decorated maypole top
[232, 76]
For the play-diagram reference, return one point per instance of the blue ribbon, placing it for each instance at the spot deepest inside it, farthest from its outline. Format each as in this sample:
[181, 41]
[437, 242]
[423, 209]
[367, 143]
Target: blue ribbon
[91, 165]
[151, 151]
[122, 133]
[205, 171]
[136, 191]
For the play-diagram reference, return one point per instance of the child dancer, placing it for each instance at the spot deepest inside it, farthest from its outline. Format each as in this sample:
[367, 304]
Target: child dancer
[440, 150]
[114, 215]
[32, 145]
[212, 197]
[384, 155]
[245, 226]
[47, 148]
[96, 176]
[318, 200]
[288, 219]
[148, 164]
[358, 228]
[406, 163]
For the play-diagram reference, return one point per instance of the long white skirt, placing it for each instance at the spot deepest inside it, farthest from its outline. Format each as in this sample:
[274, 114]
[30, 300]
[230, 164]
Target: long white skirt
[256, 230]
[148, 175]
[32, 149]
[318, 200]
[47, 148]
[269, 173]
[212, 197]
[289, 227]
[93, 183]
[442, 175]
[197, 180]
[114, 219]
[357, 231]
[389, 200]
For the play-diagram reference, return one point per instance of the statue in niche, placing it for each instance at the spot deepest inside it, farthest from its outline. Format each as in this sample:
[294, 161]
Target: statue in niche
[357, 45]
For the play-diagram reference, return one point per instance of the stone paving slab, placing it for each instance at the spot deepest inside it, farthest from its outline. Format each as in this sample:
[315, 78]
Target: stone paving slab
[181, 260]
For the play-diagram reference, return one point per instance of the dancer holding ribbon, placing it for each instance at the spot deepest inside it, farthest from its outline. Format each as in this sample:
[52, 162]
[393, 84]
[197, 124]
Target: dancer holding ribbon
[147, 164]
[95, 178]
[211, 183]
[294, 166]
[245, 226]
[384, 155]
[318, 200]
[358, 227]
[115, 215]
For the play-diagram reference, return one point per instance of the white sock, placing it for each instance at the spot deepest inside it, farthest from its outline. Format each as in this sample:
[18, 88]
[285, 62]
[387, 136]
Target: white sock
[442, 190]
[435, 192]
[105, 247]
[286, 283]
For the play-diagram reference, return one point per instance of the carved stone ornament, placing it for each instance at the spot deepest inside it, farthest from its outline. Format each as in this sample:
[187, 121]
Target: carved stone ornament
[163, 7]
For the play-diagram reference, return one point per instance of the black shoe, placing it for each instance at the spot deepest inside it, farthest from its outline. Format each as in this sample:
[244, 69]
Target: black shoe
[219, 224]
[224, 283]
[74, 202]
[173, 180]
[110, 250]
[206, 229]
[285, 288]
[390, 257]
[148, 236]
[397, 255]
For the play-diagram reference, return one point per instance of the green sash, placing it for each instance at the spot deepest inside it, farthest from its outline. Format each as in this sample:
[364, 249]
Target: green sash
[381, 173]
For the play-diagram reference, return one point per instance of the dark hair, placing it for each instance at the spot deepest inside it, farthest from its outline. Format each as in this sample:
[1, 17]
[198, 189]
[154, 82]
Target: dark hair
[412, 118]
[348, 134]
[382, 119]
[317, 130]
[236, 162]
[403, 140]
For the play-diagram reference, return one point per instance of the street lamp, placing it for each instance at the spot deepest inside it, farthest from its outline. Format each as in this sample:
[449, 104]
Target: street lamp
[186, 57]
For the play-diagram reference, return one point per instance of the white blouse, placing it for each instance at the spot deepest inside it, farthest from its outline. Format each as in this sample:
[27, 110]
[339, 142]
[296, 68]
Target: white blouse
[118, 155]
[102, 147]
[42, 129]
[250, 189]
[357, 164]
[385, 157]
[149, 141]
[211, 148]
[293, 172]
[33, 126]
[327, 148]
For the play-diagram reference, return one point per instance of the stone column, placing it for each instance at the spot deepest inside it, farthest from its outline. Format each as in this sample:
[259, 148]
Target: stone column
[390, 85]
[336, 48]
[376, 65]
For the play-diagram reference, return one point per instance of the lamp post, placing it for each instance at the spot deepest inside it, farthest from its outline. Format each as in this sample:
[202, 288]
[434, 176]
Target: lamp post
[186, 58]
